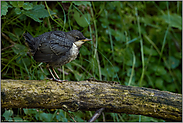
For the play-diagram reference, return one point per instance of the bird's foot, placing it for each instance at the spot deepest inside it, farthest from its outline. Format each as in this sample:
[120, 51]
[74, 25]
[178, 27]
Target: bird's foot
[57, 80]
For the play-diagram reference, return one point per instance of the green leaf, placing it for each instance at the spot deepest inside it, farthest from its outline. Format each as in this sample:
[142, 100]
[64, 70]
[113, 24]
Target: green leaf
[118, 59]
[83, 20]
[174, 20]
[105, 22]
[78, 76]
[20, 3]
[178, 55]
[23, 18]
[66, 1]
[27, 6]
[119, 36]
[64, 119]
[12, 36]
[18, 119]
[110, 71]
[167, 78]
[178, 73]
[4, 7]
[30, 111]
[38, 12]
[84, 51]
[78, 3]
[159, 70]
[20, 49]
[61, 116]
[172, 62]
[122, 55]
[25, 61]
[129, 72]
[159, 83]
[18, 31]
[171, 87]
[45, 117]
[150, 51]
[18, 11]
[7, 114]
[41, 77]
[14, 3]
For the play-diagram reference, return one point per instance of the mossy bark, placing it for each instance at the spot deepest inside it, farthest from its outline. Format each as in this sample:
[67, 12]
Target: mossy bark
[91, 95]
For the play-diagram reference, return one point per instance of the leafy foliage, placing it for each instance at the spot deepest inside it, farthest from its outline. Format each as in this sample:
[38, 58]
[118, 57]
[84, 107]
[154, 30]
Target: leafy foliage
[134, 43]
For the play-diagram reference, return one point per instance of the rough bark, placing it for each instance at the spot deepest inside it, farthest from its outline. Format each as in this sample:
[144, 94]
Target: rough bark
[91, 95]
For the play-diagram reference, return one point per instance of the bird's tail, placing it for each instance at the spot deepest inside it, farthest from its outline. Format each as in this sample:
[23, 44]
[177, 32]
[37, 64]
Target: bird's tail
[30, 41]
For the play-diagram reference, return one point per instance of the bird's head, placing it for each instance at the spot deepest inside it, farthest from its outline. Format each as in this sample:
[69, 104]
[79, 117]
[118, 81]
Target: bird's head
[78, 37]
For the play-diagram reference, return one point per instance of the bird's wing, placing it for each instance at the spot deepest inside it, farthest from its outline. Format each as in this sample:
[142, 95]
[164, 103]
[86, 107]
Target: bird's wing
[59, 42]
[42, 57]
[52, 47]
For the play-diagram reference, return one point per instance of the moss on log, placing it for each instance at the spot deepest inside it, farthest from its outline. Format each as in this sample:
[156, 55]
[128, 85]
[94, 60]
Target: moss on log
[91, 95]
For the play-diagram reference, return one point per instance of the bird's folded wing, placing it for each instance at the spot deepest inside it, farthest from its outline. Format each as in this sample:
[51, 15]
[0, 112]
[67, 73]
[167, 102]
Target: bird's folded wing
[42, 57]
[53, 47]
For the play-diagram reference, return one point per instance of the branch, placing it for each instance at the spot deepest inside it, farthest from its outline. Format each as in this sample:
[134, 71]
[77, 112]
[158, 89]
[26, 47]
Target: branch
[91, 95]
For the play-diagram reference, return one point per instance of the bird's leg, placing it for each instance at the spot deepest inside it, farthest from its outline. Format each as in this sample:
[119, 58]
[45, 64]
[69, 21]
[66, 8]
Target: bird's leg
[58, 79]
[55, 73]
[57, 76]
[51, 73]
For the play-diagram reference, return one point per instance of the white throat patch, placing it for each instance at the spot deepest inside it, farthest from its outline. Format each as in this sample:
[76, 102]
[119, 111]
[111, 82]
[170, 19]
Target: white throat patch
[74, 52]
[79, 43]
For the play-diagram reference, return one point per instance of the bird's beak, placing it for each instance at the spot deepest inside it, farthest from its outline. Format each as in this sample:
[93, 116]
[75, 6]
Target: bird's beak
[86, 39]
[80, 42]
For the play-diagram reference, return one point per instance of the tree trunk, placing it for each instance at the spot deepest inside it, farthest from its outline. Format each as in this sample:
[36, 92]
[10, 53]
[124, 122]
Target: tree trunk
[91, 95]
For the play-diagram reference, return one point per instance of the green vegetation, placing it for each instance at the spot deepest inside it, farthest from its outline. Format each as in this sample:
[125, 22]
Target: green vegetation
[134, 43]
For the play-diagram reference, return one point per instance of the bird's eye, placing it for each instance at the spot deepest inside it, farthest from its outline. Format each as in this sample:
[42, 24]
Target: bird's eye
[77, 37]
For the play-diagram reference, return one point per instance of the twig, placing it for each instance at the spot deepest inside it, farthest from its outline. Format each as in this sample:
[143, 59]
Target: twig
[8, 39]
[96, 115]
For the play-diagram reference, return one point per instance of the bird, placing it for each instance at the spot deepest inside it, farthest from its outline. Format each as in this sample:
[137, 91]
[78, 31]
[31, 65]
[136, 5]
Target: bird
[55, 48]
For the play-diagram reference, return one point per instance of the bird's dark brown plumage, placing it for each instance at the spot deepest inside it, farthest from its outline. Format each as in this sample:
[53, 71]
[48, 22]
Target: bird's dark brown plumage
[56, 48]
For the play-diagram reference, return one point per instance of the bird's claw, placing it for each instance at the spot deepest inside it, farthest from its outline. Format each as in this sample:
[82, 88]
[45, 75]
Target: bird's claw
[57, 80]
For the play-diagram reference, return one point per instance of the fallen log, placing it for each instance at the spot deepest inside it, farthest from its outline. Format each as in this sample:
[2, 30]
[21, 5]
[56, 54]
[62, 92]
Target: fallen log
[91, 95]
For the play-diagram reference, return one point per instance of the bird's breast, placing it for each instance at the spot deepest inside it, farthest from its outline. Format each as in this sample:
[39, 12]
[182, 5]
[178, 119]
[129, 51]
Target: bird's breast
[73, 52]
[67, 57]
